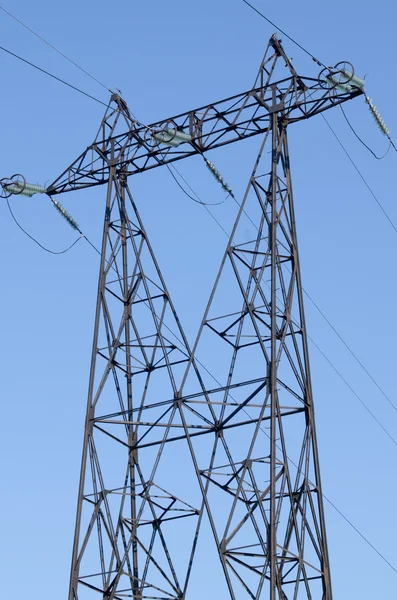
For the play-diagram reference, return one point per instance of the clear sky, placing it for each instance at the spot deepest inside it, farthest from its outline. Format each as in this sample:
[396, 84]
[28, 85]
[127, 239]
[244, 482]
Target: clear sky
[168, 57]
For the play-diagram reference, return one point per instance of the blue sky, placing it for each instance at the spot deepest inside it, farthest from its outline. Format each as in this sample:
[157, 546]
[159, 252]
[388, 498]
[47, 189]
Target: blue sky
[168, 57]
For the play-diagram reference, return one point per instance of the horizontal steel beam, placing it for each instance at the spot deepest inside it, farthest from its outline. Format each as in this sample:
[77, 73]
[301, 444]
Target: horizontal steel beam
[198, 131]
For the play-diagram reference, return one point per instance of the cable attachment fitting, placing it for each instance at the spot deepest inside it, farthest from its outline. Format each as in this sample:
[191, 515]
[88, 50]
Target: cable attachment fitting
[122, 177]
[12, 185]
[341, 78]
[169, 135]
[317, 61]
[17, 185]
[218, 176]
[65, 214]
[377, 117]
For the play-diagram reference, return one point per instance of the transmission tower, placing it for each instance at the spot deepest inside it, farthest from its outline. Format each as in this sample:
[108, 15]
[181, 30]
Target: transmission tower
[245, 447]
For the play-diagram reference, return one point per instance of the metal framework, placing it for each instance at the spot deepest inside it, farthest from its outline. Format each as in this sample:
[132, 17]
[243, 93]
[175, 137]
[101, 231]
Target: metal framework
[166, 449]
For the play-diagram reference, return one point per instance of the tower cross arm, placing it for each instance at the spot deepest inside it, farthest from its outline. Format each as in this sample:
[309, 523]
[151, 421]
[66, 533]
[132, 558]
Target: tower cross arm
[132, 147]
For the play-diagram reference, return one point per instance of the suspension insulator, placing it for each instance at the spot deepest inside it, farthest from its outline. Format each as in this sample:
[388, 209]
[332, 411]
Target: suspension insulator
[377, 117]
[218, 176]
[65, 214]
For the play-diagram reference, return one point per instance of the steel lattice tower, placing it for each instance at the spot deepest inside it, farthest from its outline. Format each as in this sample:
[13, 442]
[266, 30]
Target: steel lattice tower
[247, 449]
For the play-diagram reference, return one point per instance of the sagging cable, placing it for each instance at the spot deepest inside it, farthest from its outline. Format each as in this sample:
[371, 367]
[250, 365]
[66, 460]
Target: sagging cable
[35, 240]
[362, 141]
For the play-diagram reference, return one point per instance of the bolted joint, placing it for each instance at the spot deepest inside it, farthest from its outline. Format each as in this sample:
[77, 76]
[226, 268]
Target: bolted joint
[218, 428]
[177, 400]
[122, 177]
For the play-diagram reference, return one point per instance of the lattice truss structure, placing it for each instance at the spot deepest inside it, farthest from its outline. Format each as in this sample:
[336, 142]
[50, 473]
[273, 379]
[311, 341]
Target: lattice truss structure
[165, 449]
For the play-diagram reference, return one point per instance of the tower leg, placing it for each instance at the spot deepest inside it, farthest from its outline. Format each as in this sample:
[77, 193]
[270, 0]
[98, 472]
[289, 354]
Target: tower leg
[139, 509]
[264, 494]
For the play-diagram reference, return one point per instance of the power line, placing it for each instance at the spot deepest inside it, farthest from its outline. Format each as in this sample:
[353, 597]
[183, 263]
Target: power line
[350, 350]
[53, 76]
[291, 461]
[359, 533]
[262, 430]
[225, 232]
[362, 141]
[322, 353]
[320, 64]
[360, 174]
[395, 229]
[348, 521]
[333, 329]
[366, 540]
[360, 363]
[34, 239]
[353, 391]
[197, 199]
[205, 205]
[54, 48]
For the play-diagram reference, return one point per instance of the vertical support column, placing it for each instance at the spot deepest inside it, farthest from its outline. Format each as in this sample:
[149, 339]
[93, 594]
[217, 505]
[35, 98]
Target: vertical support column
[88, 427]
[265, 507]
[327, 588]
[273, 353]
[133, 454]
[136, 531]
